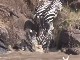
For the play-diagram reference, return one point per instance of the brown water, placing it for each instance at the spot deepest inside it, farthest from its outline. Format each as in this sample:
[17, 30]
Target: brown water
[21, 55]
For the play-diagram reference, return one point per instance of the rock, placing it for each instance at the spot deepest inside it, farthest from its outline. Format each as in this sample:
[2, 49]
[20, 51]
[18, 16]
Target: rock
[3, 48]
[73, 51]
[70, 40]
[75, 5]
[3, 38]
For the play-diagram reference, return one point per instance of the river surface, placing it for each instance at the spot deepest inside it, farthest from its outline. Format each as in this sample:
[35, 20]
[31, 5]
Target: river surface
[21, 55]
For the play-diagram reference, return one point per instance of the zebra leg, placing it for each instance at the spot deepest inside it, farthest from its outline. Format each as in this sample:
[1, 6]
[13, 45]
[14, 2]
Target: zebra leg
[47, 47]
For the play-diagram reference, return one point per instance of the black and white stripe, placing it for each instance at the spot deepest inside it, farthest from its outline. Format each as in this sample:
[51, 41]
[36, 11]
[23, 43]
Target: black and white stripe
[45, 15]
[43, 23]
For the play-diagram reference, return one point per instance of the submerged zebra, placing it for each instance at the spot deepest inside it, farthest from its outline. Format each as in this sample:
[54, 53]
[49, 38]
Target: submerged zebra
[43, 20]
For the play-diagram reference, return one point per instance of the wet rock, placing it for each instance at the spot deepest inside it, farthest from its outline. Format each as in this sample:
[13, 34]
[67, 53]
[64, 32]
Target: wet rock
[72, 51]
[63, 39]
[65, 2]
[71, 40]
[3, 39]
[3, 48]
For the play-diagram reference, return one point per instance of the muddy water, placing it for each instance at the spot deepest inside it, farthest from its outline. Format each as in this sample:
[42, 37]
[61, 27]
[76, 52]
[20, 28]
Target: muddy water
[20, 55]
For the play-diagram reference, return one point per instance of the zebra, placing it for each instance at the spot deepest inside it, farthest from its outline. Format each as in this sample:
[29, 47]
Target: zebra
[75, 5]
[43, 17]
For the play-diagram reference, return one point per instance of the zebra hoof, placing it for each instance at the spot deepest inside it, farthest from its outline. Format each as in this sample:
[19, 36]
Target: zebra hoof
[46, 50]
